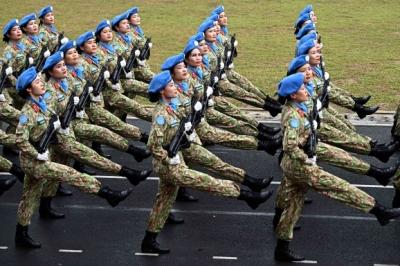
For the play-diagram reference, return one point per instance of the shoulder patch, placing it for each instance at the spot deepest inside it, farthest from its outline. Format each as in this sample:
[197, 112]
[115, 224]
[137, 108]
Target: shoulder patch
[160, 120]
[46, 95]
[41, 35]
[116, 47]
[294, 123]
[176, 101]
[9, 55]
[23, 119]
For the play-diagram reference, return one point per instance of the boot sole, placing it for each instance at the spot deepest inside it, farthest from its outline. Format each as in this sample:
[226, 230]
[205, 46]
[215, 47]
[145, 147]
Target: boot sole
[114, 203]
[154, 252]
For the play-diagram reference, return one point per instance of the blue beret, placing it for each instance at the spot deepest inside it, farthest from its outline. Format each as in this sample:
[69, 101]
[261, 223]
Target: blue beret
[26, 78]
[302, 19]
[303, 31]
[159, 82]
[10, 25]
[132, 11]
[212, 17]
[26, 19]
[197, 37]
[304, 39]
[44, 11]
[69, 45]
[118, 18]
[217, 11]
[297, 63]
[290, 84]
[190, 46]
[306, 10]
[53, 60]
[84, 37]
[171, 62]
[303, 49]
[207, 24]
[102, 25]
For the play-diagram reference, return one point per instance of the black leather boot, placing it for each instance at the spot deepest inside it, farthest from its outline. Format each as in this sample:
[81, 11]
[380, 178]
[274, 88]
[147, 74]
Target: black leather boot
[207, 143]
[363, 111]
[150, 245]
[277, 218]
[269, 147]
[383, 214]
[266, 137]
[396, 199]
[134, 176]
[273, 106]
[361, 100]
[171, 219]
[144, 138]
[183, 195]
[80, 167]
[138, 153]
[123, 117]
[256, 184]
[46, 211]
[6, 184]
[17, 171]
[9, 151]
[113, 197]
[282, 252]
[62, 191]
[22, 239]
[383, 153]
[382, 175]
[307, 200]
[268, 130]
[97, 147]
[254, 199]
[393, 127]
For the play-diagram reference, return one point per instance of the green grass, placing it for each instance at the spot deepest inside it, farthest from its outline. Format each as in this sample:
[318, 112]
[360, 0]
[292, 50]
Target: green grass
[361, 38]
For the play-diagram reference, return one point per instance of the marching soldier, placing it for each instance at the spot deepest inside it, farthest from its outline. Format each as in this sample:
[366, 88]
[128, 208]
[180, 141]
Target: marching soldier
[48, 34]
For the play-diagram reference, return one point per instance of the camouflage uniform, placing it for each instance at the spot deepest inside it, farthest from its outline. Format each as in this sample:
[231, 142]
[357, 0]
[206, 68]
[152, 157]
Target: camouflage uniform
[32, 124]
[300, 177]
[164, 127]
[31, 47]
[48, 37]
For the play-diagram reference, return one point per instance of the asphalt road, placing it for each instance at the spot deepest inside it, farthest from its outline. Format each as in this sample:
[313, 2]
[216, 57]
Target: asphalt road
[217, 231]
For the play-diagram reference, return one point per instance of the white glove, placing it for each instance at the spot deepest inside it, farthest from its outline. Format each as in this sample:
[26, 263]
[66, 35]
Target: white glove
[30, 60]
[76, 100]
[64, 40]
[329, 88]
[46, 54]
[311, 161]
[2, 98]
[106, 74]
[319, 105]
[142, 63]
[231, 66]
[64, 132]
[198, 106]
[150, 45]
[235, 43]
[128, 75]
[115, 87]
[215, 79]
[57, 124]
[209, 91]
[80, 114]
[9, 71]
[175, 160]
[192, 137]
[221, 65]
[43, 156]
[188, 126]
[137, 53]
[96, 98]
[123, 63]
[90, 89]
[315, 124]
[201, 120]
[210, 102]
[229, 53]
[223, 76]
[326, 75]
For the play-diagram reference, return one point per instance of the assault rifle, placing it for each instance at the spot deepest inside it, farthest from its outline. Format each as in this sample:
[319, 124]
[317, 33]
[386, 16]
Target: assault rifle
[207, 94]
[131, 62]
[59, 44]
[83, 99]
[41, 60]
[3, 77]
[69, 112]
[233, 51]
[145, 53]
[116, 75]
[48, 137]
[311, 146]
[99, 84]
[24, 67]
[324, 97]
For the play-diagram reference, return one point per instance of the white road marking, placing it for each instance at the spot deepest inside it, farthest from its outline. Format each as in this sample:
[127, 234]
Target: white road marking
[147, 254]
[306, 261]
[70, 251]
[386, 265]
[224, 258]
[3, 247]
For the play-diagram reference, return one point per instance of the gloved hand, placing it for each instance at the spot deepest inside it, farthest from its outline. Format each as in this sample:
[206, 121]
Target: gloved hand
[128, 75]
[106, 74]
[142, 63]
[76, 100]
[43, 156]
[223, 76]
[150, 45]
[221, 65]
[315, 124]
[198, 106]
[231, 66]
[123, 63]
[215, 79]
[2, 98]
[96, 98]
[90, 89]
[209, 91]
[188, 126]
[235, 43]
[47, 54]
[210, 102]
[80, 114]
[229, 53]
[201, 120]
[9, 71]
[64, 132]
[311, 161]
[137, 53]
[30, 60]
[64, 40]
[57, 124]
[115, 87]
[192, 137]
[175, 160]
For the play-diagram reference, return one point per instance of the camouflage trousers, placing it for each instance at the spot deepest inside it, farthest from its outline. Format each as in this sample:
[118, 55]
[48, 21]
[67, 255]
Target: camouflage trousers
[10, 115]
[200, 156]
[231, 90]
[244, 83]
[5, 165]
[333, 117]
[174, 176]
[225, 138]
[396, 179]
[224, 106]
[136, 87]
[42, 177]
[397, 113]
[100, 116]
[143, 73]
[339, 97]
[17, 101]
[229, 123]
[298, 178]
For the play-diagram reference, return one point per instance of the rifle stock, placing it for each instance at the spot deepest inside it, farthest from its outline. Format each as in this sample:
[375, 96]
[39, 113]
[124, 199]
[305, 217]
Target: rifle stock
[41, 60]
[145, 53]
[99, 84]
[131, 62]
[3, 77]
[48, 137]
[311, 146]
[58, 45]
[83, 99]
[116, 74]
[69, 112]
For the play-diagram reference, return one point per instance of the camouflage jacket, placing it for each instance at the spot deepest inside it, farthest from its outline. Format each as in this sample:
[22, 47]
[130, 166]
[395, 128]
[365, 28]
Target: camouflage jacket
[16, 59]
[32, 48]
[77, 84]
[48, 37]
[121, 47]
[137, 39]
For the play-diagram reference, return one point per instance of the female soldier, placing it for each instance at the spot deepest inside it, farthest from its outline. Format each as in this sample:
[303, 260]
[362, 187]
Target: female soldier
[173, 172]
[48, 34]
[39, 170]
[302, 174]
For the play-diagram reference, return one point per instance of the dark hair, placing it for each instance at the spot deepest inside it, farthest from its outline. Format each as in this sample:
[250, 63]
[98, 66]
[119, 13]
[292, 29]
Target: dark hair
[282, 99]
[97, 39]
[153, 96]
[296, 31]
[79, 50]
[23, 31]
[40, 22]
[6, 38]
[113, 28]
[48, 76]
[24, 94]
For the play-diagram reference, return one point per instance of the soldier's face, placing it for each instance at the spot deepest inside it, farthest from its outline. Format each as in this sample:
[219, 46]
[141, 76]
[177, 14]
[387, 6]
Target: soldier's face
[315, 57]
[59, 71]
[210, 35]
[89, 47]
[48, 18]
[313, 17]
[203, 47]
[15, 34]
[301, 95]
[169, 91]
[37, 87]
[194, 58]
[134, 20]
[123, 26]
[180, 72]
[106, 35]
[71, 57]
[31, 28]
[306, 71]
[223, 19]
